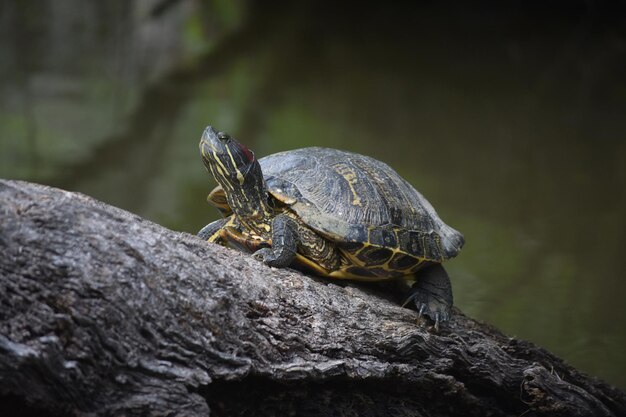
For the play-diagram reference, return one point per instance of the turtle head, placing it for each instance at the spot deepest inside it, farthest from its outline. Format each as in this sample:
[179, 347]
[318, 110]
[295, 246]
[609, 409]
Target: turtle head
[236, 169]
[231, 163]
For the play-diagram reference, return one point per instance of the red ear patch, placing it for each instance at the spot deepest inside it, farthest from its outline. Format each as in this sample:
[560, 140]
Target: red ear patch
[247, 153]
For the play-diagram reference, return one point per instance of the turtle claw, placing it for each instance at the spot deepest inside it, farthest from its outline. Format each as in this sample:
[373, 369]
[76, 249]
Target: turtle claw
[410, 298]
[434, 310]
[262, 255]
[424, 309]
[437, 316]
[421, 312]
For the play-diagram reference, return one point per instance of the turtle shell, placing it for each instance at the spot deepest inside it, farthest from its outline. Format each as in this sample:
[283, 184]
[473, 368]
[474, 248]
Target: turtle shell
[359, 202]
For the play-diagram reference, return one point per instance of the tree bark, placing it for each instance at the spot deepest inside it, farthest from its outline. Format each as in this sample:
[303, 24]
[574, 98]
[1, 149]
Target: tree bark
[105, 313]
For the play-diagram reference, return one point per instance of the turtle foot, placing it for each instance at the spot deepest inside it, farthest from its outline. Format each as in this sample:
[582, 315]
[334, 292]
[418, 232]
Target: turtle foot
[429, 306]
[272, 257]
[432, 294]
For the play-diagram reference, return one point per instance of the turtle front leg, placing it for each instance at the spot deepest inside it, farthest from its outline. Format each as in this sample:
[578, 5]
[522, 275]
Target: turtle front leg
[211, 232]
[432, 293]
[285, 241]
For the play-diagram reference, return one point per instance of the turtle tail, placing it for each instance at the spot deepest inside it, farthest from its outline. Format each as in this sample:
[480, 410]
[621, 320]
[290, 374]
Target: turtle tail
[451, 241]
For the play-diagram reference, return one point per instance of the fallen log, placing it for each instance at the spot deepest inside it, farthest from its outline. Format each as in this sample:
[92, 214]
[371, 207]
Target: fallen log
[105, 313]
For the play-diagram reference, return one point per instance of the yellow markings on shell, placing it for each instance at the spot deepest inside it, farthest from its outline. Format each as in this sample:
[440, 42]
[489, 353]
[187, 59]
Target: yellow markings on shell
[341, 273]
[312, 265]
[354, 260]
[352, 179]
[350, 176]
[279, 194]
[344, 274]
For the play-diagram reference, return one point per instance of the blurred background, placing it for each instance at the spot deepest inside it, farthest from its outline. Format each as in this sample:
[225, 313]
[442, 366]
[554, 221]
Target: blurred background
[510, 117]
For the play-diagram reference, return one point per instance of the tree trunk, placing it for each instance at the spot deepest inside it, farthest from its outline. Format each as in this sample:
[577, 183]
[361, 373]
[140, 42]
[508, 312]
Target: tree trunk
[105, 313]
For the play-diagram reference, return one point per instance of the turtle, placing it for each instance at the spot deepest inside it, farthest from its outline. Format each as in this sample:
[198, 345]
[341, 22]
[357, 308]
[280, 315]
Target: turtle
[332, 213]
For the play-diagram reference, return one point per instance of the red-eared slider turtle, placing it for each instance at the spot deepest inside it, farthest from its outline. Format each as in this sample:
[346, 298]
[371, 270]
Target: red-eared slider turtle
[335, 213]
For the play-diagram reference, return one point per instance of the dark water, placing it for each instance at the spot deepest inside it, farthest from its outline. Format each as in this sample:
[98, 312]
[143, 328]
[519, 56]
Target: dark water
[511, 123]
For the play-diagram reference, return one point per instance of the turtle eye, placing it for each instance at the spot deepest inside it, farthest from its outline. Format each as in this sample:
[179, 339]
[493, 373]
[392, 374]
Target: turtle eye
[223, 136]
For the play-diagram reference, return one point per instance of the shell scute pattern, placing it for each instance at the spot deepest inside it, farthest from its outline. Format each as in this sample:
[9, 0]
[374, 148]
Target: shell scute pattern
[354, 198]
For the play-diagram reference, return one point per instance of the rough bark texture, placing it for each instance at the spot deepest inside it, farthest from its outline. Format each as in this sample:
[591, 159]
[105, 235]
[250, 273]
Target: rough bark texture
[105, 313]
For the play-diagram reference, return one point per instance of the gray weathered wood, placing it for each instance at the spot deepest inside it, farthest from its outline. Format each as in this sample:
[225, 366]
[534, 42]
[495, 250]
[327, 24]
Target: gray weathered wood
[105, 313]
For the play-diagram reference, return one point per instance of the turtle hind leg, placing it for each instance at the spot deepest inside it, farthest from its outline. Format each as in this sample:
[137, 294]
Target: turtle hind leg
[432, 294]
